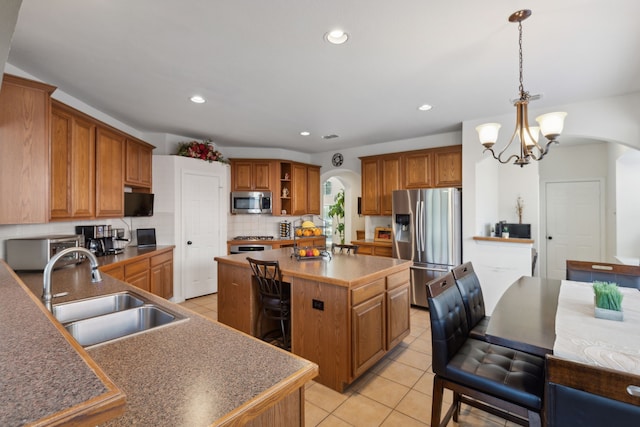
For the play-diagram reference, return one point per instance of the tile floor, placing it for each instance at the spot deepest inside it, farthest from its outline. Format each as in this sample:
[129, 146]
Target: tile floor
[395, 392]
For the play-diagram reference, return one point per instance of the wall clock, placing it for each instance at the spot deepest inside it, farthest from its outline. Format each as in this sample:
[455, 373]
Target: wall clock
[337, 159]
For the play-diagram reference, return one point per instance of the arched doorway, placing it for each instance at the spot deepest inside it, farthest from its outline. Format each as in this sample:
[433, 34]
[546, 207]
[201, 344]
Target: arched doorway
[332, 183]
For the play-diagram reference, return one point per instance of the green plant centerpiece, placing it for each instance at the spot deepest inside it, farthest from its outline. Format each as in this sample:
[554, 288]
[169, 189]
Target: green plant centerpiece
[337, 211]
[608, 301]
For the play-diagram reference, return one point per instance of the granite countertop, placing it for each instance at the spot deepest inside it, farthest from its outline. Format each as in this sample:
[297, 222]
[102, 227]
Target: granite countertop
[341, 269]
[190, 373]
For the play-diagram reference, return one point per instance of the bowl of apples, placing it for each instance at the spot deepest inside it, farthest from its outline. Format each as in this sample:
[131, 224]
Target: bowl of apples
[308, 253]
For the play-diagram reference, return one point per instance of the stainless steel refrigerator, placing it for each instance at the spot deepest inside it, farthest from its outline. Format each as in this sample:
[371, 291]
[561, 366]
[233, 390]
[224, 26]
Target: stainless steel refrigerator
[427, 229]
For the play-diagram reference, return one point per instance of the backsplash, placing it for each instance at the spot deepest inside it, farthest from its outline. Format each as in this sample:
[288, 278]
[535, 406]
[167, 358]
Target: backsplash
[256, 225]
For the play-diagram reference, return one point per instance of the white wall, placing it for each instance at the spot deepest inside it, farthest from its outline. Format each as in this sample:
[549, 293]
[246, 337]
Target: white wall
[628, 205]
[8, 17]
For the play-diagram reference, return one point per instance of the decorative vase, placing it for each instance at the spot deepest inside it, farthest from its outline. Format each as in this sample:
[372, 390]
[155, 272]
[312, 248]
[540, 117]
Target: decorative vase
[603, 313]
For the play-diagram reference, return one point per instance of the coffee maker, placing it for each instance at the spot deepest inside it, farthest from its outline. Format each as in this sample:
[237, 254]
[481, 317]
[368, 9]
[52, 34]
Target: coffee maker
[99, 239]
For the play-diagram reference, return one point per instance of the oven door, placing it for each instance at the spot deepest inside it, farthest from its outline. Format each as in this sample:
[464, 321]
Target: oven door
[239, 249]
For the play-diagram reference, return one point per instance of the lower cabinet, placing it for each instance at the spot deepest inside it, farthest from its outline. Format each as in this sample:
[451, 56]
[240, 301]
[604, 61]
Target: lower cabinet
[152, 272]
[368, 329]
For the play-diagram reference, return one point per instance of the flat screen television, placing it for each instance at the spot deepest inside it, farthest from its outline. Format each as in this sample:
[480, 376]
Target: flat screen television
[138, 204]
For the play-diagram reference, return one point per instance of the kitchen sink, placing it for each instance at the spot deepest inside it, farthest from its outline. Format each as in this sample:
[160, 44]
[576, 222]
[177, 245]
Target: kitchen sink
[99, 329]
[81, 309]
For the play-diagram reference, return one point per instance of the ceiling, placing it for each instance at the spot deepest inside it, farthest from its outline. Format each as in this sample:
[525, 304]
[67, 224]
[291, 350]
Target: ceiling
[268, 74]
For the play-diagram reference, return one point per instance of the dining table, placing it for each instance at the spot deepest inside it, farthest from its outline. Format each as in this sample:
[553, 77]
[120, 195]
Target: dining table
[549, 316]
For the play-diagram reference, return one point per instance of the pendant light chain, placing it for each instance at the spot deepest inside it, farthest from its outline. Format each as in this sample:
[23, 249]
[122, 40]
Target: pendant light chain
[523, 95]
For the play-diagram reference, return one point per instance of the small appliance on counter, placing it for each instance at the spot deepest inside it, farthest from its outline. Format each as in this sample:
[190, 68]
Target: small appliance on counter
[100, 239]
[518, 231]
[33, 253]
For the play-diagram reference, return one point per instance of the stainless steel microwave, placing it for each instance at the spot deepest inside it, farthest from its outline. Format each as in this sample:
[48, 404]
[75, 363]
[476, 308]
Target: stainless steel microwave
[251, 202]
[33, 253]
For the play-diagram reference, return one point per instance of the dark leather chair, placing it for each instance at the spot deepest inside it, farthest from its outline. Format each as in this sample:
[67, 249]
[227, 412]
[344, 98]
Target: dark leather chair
[627, 276]
[577, 394]
[471, 292]
[343, 248]
[275, 301]
[504, 382]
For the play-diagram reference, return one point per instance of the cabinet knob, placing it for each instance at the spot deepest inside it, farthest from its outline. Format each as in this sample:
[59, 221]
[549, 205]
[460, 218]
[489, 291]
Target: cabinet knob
[550, 237]
[189, 242]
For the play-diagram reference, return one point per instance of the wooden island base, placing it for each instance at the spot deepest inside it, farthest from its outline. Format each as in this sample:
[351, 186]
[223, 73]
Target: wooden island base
[347, 312]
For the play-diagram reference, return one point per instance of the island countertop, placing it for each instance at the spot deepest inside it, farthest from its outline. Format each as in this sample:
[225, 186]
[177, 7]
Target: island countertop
[340, 269]
[189, 373]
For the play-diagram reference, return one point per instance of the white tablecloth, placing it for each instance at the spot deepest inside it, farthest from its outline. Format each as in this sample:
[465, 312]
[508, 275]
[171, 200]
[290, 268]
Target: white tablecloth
[583, 337]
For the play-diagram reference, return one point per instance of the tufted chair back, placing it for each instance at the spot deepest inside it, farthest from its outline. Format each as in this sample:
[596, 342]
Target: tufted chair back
[471, 292]
[449, 327]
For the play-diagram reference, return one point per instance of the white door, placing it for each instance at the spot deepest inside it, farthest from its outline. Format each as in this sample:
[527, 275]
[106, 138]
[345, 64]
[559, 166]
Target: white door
[200, 233]
[574, 221]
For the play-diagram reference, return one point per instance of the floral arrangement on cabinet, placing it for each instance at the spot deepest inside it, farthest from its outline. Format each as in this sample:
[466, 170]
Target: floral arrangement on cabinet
[204, 150]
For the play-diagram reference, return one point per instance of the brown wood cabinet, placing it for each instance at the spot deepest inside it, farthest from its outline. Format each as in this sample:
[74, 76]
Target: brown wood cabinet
[25, 109]
[369, 247]
[313, 190]
[109, 173]
[72, 175]
[398, 299]
[252, 175]
[162, 275]
[138, 164]
[368, 327]
[152, 271]
[383, 174]
[299, 190]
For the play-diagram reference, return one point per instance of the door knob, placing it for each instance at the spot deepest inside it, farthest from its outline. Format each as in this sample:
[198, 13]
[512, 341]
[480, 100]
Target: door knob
[550, 237]
[189, 242]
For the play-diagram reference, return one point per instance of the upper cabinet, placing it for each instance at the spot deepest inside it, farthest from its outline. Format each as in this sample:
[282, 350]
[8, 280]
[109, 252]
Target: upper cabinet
[110, 149]
[299, 192]
[313, 190]
[138, 163]
[252, 175]
[383, 174]
[25, 110]
[73, 154]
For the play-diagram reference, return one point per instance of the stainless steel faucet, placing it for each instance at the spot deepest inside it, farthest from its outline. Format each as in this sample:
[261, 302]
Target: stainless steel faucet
[95, 273]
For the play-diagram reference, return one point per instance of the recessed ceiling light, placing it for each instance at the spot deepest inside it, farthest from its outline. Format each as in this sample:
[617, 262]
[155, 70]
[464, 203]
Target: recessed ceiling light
[425, 107]
[198, 99]
[305, 133]
[336, 37]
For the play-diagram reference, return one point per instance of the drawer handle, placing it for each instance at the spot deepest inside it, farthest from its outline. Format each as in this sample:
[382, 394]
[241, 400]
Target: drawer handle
[633, 390]
[602, 267]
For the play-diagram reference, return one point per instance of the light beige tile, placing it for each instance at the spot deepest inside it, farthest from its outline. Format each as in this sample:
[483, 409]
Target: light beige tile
[414, 358]
[313, 415]
[359, 410]
[324, 397]
[189, 304]
[421, 345]
[200, 309]
[416, 405]
[333, 421]
[211, 306]
[384, 391]
[401, 373]
[425, 383]
[398, 419]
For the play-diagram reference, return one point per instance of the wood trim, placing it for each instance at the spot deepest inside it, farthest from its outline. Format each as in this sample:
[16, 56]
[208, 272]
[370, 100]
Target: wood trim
[603, 267]
[502, 240]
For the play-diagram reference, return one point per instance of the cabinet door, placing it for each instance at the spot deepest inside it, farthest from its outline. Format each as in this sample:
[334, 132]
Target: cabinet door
[370, 187]
[368, 333]
[262, 176]
[83, 173]
[109, 173]
[448, 167]
[25, 109]
[398, 305]
[418, 170]
[140, 281]
[241, 175]
[116, 271]
[138, 164]
[162, 280]
[61, 167]
[250, 175]
[299, 191]
[313, 195]
[390, 182]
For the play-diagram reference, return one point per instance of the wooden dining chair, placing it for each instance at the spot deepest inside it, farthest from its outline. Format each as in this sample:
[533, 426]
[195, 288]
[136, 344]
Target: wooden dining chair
[275, 301]
[577, 394]
[344, 248]
[498, 380]
[469, 286]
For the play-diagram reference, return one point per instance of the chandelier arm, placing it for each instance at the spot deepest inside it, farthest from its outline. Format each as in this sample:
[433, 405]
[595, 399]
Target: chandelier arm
[513, 136]
[498, 157]
[543, 151]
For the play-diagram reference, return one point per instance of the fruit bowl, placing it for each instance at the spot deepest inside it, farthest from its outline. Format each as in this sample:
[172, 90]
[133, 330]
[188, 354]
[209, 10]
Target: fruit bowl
[309, 253]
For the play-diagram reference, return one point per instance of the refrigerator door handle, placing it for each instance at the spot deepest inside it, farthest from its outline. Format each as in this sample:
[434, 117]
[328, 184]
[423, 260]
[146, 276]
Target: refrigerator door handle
[423, 238]
[417, 229]
[440, 270]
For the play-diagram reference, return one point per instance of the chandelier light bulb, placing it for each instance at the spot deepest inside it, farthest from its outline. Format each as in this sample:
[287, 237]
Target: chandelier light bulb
[488, 133]
[535, 134]
[551, 124]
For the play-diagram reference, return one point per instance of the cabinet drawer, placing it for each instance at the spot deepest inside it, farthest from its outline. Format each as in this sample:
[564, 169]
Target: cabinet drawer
[116, 271]
[397, 279]
[162, 258]
[136, 267]
[367, 291]
[382, 251]
[365, 250]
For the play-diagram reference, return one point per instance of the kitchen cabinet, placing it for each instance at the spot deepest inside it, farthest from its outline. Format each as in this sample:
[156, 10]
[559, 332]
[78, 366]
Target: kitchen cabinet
[25, 109]
[313, 190]
[109, 173]
[380, 178]
[252, 175]
[398, 301]
[302, 194]
[72, 175]
[117, 271]
[383, 174]
[368, 326]
[300, 188]
[137, 274]
[138, 164]
[162, 275]
[369, 247]
[448, 167]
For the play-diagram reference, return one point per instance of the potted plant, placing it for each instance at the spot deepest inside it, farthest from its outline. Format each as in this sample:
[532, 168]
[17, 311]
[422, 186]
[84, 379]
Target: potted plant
[337, 211]
[608, 301]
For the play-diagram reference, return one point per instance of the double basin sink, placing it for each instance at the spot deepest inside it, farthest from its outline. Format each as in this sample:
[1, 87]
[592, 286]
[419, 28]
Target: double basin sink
[100, 319]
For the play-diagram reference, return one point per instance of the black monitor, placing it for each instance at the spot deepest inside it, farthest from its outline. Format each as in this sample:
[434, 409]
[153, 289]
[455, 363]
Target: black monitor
[138, 204]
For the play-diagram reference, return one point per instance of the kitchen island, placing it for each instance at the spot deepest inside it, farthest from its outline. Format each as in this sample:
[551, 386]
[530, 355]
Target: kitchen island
[193, 372]
[347, 311]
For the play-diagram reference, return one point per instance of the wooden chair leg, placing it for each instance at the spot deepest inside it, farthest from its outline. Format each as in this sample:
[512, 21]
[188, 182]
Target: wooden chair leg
[456, 404]
[436, 401]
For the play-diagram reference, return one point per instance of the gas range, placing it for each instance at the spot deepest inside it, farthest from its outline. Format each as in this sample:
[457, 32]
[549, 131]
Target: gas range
[253, 238]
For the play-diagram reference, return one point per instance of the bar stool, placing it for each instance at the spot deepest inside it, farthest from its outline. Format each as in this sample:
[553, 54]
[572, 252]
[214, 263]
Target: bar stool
[275, 299]
[342, 248]
[469, 286]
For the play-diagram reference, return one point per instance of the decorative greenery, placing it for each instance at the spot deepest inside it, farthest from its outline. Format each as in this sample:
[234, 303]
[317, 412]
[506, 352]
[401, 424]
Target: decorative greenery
[608, 296]
[337, 210]
[204, 150]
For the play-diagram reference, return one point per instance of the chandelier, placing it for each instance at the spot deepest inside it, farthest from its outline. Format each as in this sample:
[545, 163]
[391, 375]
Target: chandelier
[550, 124]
